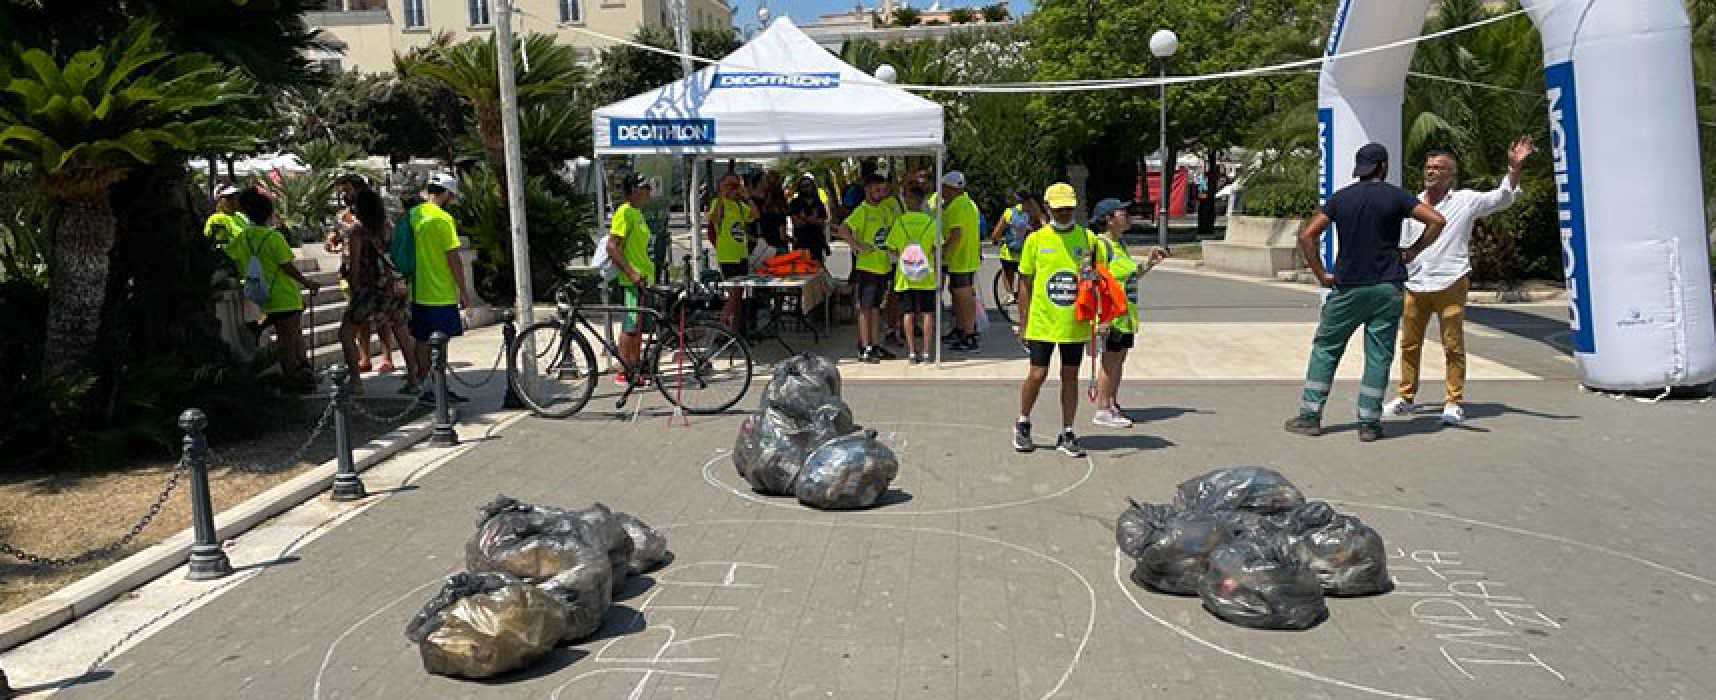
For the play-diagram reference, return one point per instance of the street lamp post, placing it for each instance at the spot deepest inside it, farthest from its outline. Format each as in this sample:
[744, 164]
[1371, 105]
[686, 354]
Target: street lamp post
[1163, 44]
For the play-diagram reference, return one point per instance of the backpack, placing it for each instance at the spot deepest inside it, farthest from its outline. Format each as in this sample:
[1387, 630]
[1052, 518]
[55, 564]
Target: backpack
[914, 263]
[1018, 227]
[402, 247]
[254, 287]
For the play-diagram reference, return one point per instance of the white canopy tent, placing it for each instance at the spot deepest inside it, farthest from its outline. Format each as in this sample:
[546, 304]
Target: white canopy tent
[779, 94]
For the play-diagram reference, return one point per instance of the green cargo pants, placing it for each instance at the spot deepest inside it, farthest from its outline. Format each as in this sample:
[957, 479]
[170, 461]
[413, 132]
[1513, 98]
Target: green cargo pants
[1376, 307]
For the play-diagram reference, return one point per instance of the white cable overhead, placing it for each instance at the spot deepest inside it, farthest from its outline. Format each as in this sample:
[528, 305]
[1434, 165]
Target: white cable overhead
[1121, 83]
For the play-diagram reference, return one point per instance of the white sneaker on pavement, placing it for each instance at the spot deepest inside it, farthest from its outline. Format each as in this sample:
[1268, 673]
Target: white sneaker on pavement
[1109, 419]
[1452, 414]
[1399, 407]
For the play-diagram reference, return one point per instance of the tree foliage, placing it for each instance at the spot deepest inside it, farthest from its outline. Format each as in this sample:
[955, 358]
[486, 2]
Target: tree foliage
[623, 71]
[961, 15]
[906, 16]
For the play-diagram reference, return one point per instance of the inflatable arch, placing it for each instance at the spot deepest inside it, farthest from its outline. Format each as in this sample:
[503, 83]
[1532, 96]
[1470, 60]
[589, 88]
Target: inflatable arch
[1624, 140]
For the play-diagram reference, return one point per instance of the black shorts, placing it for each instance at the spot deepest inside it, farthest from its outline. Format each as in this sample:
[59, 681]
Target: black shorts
[734, 269]
[870, 287]
[1010, 266]
[274, 319]
[1119, 342]
[426, 320]
[917, 301]
[961, 280]
[1072, 354]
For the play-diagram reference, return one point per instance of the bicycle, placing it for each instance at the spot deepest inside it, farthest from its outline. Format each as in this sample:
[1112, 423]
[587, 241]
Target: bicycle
[694, 364]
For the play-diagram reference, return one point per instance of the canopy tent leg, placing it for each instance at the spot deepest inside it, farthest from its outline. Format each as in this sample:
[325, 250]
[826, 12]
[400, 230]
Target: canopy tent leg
[694, 214]
[940, 252]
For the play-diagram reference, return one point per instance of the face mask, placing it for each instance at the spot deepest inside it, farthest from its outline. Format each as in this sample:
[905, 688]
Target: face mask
[1060, 227]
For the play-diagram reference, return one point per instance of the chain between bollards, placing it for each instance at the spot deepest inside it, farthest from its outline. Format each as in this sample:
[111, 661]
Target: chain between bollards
[208, 560]
[443, 434]
[347, 485]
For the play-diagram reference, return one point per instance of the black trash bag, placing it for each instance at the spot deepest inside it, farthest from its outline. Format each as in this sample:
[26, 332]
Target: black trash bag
[1137, 524]
[649, 547]
[603, 530]
[773, 445]
[569, 554]
[525, 541]
[1175, 556]
[1348, 556]
[1263, 582]
[847, 473]
[485, 624]
[1251, 489]
[801, 384]
[586, 589]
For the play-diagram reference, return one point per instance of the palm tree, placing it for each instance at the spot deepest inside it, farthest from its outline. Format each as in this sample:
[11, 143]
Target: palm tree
[80, 126]
[469, 69]
[996, 13]
[906, 17]
[961, 15]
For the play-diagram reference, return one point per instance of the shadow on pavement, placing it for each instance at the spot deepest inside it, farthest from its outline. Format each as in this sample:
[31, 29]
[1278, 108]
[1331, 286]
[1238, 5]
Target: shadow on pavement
[634, 587]
[271, 563]
[893, 497]
[55, 686]
[619, 621]
[1550, 331]
[1161, 413]
[1428, 420]
[557, 660]
[1134, 443]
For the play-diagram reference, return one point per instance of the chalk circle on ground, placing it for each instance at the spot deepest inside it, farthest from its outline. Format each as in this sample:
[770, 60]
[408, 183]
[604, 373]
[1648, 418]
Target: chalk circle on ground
[1458, 646]
[920, 468]
[665, 579]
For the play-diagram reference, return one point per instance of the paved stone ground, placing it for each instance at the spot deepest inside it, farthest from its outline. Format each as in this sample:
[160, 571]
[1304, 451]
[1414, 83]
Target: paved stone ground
[1558, 546]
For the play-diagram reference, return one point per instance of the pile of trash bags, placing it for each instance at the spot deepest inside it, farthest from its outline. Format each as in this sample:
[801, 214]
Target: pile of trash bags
[802, 441]
[1247, 542]
[536, 577]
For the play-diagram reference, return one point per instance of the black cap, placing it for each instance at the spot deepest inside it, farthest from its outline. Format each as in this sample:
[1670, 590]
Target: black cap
[1370, 156]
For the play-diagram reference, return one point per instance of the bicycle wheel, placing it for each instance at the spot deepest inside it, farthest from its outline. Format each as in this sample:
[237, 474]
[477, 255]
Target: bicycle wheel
[552, 369]
[1003, 296]
[710, 373]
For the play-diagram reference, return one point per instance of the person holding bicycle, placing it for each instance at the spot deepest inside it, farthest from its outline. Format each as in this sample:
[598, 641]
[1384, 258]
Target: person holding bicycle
[628, 248]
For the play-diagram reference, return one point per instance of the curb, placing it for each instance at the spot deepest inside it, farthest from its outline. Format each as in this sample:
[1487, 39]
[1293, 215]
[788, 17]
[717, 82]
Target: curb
[1477, 296]
[91, 592]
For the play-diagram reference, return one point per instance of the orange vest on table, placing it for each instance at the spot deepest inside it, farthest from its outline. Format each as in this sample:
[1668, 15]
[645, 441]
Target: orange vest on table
[797, 262]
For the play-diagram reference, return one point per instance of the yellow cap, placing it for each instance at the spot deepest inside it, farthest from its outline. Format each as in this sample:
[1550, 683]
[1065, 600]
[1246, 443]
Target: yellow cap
[1060, 196]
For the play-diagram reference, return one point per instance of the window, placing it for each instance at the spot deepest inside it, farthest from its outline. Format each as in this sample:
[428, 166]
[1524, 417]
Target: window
[571, 12]
[479, 12]
[414, 14]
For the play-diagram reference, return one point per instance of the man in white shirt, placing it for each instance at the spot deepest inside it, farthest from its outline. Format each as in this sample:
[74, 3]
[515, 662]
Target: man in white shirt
[1439, 278]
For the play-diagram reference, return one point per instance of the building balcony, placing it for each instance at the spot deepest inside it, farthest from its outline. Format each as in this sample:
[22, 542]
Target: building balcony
[347, 18]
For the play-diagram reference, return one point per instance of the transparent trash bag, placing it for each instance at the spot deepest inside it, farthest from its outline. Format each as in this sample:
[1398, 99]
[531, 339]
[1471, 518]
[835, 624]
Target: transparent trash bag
[1175, 556]
[1348, 556]
[1259, 581]
[847, 473]
[1251, 489]
[649, 547]
[1137, 524]
[485, 624]
[802, 383]
[773, 445]
[585, 590]
[603, 530]
[567, 554]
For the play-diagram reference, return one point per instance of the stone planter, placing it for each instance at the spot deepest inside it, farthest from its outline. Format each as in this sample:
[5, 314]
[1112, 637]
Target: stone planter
[1257, 246]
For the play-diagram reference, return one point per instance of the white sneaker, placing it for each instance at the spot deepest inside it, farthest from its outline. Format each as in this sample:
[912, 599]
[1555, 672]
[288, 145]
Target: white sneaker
[1399, 407]
[1452, 414]
[1109, 419]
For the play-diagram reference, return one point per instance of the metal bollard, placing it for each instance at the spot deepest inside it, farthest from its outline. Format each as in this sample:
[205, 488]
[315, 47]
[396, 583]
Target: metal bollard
[443, 434]
[208, 560]
[509, 336]
[347, 485]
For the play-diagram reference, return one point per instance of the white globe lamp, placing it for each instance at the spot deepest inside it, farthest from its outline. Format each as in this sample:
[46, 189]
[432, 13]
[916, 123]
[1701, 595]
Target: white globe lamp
[886, 73]
[1164, 43]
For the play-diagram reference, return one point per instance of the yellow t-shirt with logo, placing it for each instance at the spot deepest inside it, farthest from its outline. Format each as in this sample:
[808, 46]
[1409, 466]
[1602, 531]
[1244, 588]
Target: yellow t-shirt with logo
[1052, 260]
[270, 249]
[871, 223]
[1125, 271]
[730, 230]
[629, 226]
[914, 227]
[434, 234]
[965, 255]
[220, 228]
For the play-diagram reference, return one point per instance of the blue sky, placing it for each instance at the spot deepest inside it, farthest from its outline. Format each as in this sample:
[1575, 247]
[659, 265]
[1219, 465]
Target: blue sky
[803, 11]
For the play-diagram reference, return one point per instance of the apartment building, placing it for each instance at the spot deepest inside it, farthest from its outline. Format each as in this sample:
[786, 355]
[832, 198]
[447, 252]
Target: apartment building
[364, 34]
